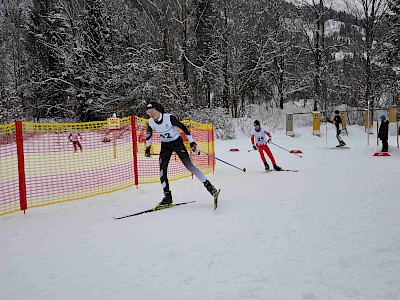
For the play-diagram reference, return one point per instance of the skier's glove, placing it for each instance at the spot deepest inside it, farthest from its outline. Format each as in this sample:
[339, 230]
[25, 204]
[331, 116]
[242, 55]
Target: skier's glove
[254, 147]
[194, 147]
[269, 140]
[147, 152]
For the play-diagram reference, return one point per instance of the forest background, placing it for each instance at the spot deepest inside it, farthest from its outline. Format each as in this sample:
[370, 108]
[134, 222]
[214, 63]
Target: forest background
[83, 60]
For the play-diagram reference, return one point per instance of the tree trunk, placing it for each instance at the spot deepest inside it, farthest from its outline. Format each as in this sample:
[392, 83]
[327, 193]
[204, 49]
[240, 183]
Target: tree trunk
[185, 67]
[165, 29]
[225, 95]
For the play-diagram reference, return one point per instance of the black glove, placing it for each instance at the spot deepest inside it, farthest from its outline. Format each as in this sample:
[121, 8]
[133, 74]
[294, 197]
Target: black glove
[193, 147]
[269, 140]
[254, 147]
[147, 152]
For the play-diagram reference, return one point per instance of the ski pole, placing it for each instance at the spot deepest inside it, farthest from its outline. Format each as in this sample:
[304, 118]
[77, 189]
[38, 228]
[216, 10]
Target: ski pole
[251, 150]
[244, 169]
[285, 149]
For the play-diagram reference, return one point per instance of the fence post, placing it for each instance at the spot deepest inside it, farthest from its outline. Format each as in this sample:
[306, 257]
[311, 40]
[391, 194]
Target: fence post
[21, 165]
[134, 149]
[212, 147]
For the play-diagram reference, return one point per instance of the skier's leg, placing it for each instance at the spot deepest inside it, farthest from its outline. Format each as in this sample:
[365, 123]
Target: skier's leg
[339, 138]
[74, 144]
[269, 153]
[165, 156]
[271, 157]
[261, 151]
[180, 149]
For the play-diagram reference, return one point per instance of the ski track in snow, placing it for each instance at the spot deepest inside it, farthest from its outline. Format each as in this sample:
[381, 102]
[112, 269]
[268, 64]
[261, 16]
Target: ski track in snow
[329, 231]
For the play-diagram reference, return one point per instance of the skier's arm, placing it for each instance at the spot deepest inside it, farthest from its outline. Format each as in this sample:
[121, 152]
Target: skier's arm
[149, 133]
[252, 141]
[175, 122]
[268, 134]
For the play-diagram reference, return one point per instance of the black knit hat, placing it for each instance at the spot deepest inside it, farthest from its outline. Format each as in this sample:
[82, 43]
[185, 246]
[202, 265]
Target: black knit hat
[157, 106]
[151, 105]
[256, 122]
[336, 112]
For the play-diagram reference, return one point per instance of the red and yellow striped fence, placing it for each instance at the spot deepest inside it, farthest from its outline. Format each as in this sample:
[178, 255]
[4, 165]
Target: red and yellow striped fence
[39, 165]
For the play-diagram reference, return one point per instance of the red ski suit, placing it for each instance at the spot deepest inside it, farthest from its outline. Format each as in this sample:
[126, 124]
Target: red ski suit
[262, 145]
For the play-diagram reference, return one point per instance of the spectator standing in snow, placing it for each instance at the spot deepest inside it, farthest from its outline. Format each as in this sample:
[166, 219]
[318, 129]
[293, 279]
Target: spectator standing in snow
[383, 133]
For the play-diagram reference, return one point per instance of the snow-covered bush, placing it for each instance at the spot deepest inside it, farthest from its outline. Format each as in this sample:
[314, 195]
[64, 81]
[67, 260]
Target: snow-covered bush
[224, 127]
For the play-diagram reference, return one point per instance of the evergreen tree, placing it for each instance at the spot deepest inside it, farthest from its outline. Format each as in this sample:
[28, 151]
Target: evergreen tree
[45, 43]
[394, 30]
[12, 59]
[93, 57]
[204, 50]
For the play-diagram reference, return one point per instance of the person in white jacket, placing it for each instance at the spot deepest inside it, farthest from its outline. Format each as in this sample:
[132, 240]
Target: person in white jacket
[166, 125]
[74, 138]
[260, 142]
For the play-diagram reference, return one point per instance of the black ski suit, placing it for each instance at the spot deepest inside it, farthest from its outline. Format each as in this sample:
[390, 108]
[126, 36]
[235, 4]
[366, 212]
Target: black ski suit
[383, 135]
[337, 120]
[177, 146]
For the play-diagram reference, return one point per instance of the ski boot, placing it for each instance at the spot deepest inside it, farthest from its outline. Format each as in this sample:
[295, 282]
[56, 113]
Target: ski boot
[266, 165]
[277, 168]
[210, 188]
[213, 191]
[167, 200]
[341, 144]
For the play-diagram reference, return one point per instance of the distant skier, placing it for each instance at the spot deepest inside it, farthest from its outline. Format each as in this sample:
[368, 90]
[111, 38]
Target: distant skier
[260, 143]
[383, 133]
[74, 138]
[337, 121]
[166, 126]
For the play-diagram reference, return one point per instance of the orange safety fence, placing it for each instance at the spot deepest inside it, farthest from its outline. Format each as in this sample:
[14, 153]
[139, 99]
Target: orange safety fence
[39, 165]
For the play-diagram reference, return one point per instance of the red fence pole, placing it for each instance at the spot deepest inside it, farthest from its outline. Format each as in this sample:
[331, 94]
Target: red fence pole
[213, 148]
[134, 149]
[21, 165]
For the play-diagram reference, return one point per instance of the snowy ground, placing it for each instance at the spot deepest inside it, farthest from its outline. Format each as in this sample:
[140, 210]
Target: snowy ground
[330, 231]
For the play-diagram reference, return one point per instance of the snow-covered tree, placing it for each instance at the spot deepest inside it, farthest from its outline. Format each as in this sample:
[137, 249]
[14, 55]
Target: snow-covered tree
[368, 42]
[394, 31]
[12, 59]
[45, 45]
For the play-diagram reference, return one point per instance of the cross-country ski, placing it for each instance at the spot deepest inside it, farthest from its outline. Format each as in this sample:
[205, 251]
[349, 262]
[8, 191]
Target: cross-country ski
[157, 208]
